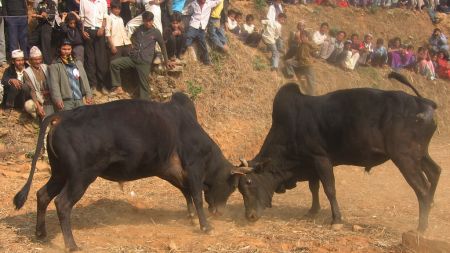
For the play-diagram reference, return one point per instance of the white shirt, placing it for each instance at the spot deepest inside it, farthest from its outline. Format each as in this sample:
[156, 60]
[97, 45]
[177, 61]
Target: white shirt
[272, 13]
[231, 24]
[116, 30]
[92, 12]
[200, 16]
[271, 32]
[319, 38]
[249, 28]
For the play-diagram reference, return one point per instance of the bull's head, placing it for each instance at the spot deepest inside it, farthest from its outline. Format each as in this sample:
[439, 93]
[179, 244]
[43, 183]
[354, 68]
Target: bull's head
[256, 191]
[218, 192]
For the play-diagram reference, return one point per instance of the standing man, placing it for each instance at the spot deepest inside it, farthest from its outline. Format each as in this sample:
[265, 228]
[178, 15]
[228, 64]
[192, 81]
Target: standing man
[2, 39]
[17, 24]
[93, 14]
[141, 56]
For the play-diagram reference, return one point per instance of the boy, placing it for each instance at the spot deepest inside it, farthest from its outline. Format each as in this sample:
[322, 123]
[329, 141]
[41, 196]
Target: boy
[174, 37]
[300, 60]
[141, 56]
[216, 31]
[200, 11]
[71, 26]
[249, 34]
[118, 41]
[271, 36]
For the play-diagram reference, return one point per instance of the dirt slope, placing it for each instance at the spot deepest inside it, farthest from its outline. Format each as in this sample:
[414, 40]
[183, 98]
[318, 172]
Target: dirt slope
[234, 102]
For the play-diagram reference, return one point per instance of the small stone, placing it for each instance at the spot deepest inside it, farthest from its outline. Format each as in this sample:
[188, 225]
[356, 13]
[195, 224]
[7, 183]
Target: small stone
[133, 194]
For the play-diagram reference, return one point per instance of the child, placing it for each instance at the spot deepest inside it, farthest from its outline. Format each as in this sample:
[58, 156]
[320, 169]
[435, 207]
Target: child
[379, 56]
[443, 68]
[349, 57]
[366, 50]
[249, 34]
[232, 24]
[174, 37]
[271, 36]
[71, 26]
[115, 32]
[426, 67]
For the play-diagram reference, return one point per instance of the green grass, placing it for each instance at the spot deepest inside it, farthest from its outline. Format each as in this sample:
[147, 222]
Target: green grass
[259, 64]
[194, 89]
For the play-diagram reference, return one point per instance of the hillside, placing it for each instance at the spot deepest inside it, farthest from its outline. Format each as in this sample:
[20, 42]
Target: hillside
[234, 102]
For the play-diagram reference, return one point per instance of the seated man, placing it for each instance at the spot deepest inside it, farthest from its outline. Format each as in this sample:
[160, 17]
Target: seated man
[15, 92]
[68, 81]
[438, 41]
[36, 79]
[320, 36]
[332, 47]
[141, 55]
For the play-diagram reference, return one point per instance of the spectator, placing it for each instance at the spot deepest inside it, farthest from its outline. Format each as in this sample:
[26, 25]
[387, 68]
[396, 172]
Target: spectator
[232, 25]
[438, 41]
[443, 68]
[93, 15]
[379, 56]
[394, 45]
[300, 61]
[274, 10]
[271, 36]
[200, 11]
[349, 56]
[174, 37]
[333, 47]
[426, 67]
[71, 26]
[46, 15]
[250, 35]
[366, 50]
[68, 81]
[142, 52]
[15, 93]
[35, 78]
[125, 12]
[152, 6]
[301, 25]
[2, 44]
[115, 33]
[17, 24]
[403, 58]
[216, 31]
[320, 36]
[72, 5]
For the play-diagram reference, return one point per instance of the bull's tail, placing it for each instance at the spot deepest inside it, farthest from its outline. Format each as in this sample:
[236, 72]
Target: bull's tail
[401, 78]
[21, 196]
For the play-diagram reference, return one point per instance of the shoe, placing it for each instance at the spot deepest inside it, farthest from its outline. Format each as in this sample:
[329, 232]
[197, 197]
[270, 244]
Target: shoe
[104, 91]
[117, 91]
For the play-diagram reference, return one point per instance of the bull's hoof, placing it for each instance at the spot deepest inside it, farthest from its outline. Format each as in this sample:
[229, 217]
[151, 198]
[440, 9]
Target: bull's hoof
[73, 249]
[207, 229]
[41, 235]
[337, 227]
[311, 214]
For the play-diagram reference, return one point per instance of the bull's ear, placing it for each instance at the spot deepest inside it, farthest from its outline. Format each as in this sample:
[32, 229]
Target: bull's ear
[241, 170]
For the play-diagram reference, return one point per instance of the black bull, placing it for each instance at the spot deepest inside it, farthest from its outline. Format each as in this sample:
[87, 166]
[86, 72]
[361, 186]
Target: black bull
[361, 127]
[128, 140]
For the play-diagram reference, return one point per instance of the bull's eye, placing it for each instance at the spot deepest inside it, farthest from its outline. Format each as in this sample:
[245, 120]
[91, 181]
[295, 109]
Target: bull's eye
[249, 181]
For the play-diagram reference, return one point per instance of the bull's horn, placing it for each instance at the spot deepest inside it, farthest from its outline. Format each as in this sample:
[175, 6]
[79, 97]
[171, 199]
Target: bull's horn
[241, 170]
[243, 162]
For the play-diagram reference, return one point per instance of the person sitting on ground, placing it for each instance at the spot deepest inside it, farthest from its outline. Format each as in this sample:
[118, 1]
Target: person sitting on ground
[292, 42]
[320, 36]
[174, 37]
[425, 65]
[366, 50]
[68, 81]
[200, 12]
[394, 45]
[271, 36]
[250, 34]
[232, 24]
[349, 56]
[332, 48]
[36, 77]
[299, 61]
[216, 30]
[274, 10]
[141, 56]
[15, 92]
[443, 68]
[438, 41]
[379, 56]
[71, 26]
[403, 58]
[116, 35]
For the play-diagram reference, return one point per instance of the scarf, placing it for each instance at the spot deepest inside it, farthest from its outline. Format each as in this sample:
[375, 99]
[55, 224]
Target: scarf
[68, 60]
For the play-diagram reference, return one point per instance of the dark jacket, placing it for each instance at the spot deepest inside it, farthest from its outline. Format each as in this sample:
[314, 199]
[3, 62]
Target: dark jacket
[14, 7]
[73, 35]
[144, 41]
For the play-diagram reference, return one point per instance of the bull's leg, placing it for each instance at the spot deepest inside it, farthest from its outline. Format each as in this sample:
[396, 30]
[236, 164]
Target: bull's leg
[44, 196]
[69, 196]
[415, 177]
[433, 172]
[326, 175]
[190, 205]
[195, 187]
[314, 186]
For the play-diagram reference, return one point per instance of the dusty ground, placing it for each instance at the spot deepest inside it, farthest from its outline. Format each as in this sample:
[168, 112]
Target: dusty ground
[234, 105]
